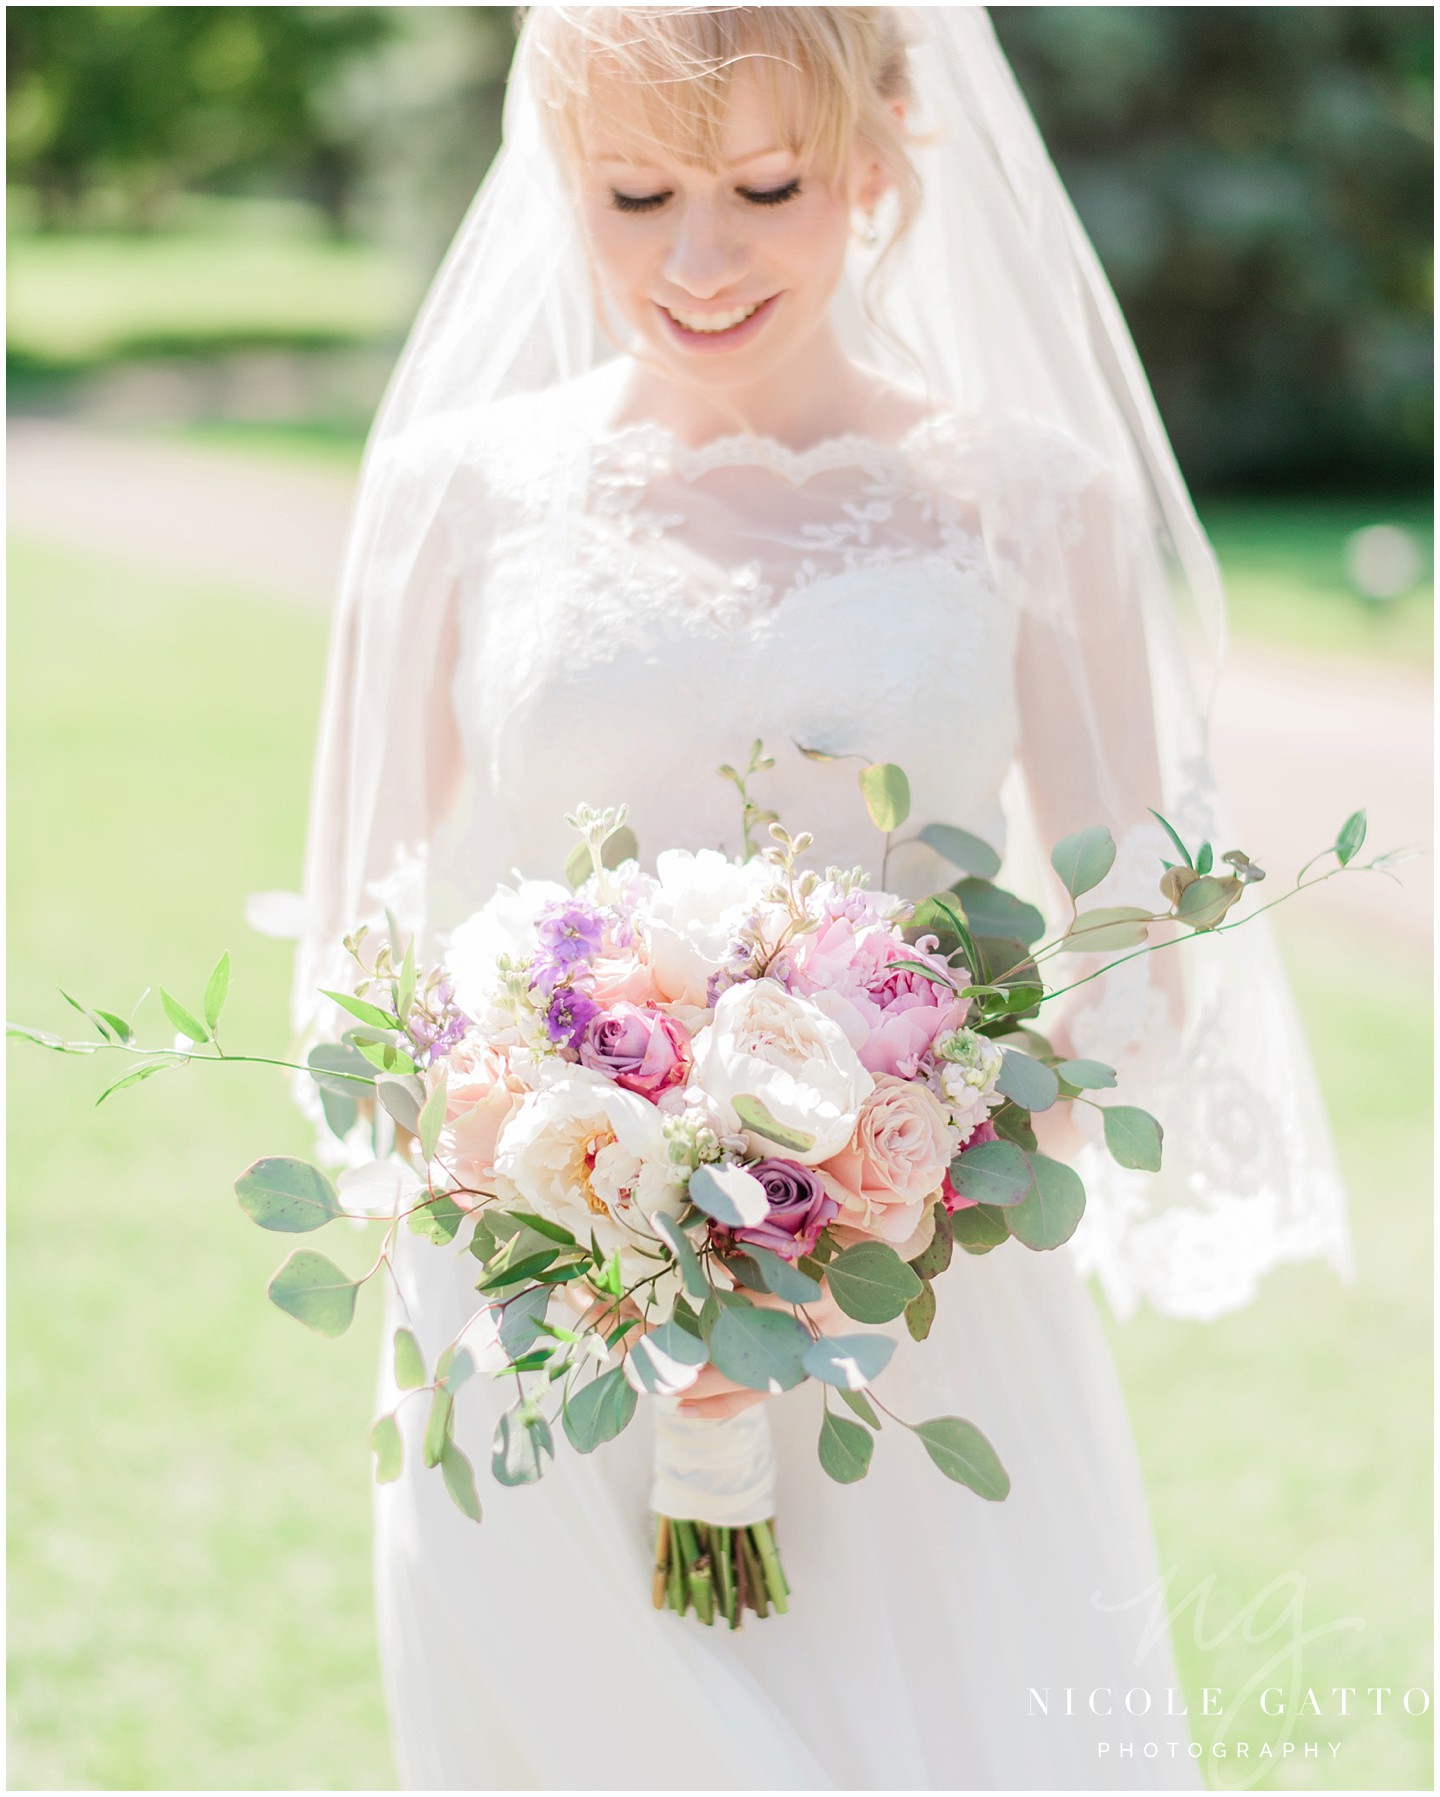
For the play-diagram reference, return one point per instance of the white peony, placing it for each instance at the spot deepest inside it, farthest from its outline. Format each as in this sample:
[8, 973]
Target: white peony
[592, 1157]
[767, 1044]
[691, 918]
[504, 926]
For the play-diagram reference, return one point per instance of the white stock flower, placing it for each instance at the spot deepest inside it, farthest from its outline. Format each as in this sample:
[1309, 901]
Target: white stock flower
[504, 926]
[691, 917]
[766, 1043]
[969, 1065]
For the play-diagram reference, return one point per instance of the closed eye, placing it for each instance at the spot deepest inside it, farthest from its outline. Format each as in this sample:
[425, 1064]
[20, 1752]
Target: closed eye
[773, 196]
[636, 202]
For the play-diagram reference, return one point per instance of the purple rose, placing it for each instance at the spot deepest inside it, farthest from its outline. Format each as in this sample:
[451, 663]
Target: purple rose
[570, 1011]
[641, 1050]
[800, 1207]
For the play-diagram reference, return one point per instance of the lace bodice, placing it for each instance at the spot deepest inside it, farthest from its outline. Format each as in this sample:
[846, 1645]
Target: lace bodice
[836, 599]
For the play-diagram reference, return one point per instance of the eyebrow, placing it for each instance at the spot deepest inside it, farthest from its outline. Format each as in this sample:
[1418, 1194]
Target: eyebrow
[739, 162]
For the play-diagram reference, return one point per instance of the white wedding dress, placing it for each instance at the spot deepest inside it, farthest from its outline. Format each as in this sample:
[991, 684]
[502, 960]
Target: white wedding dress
[835, 599]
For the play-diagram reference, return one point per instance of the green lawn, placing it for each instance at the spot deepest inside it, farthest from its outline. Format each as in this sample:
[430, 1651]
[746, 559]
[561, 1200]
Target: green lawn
[190, 1599]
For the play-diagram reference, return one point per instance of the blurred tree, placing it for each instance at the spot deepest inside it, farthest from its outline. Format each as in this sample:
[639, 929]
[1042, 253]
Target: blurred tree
[149, 100]
[1257, 181]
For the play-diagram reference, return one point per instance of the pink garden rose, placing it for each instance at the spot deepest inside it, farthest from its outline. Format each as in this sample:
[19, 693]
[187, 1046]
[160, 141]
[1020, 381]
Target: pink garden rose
[895, 1162]
[982, 1132]
[481, 1096]
[642, 1050]
[613, 978]
[891, 1014]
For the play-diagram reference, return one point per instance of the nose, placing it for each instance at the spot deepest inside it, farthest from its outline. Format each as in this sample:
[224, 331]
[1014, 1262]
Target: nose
[704, 257]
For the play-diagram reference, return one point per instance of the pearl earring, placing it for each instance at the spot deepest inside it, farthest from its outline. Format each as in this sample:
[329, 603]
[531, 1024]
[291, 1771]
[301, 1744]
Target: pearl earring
[867, 231]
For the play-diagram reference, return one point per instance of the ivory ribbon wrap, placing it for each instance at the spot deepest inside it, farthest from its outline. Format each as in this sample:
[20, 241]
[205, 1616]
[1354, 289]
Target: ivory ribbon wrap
[720, 1472]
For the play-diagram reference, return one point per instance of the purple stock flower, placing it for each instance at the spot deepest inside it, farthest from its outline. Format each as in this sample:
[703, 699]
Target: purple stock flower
[570, 932]
[800, 1207]
[437, 1024]
[570, 1010]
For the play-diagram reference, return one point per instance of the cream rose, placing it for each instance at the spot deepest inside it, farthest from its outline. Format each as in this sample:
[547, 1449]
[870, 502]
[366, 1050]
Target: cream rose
[765, 1043]
[895, 1163]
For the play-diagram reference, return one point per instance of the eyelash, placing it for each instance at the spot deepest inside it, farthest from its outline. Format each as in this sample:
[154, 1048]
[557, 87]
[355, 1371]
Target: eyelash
[649, 202]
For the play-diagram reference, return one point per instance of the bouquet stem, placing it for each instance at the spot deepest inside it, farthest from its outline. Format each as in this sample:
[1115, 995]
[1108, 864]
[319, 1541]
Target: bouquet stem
[717, 1571]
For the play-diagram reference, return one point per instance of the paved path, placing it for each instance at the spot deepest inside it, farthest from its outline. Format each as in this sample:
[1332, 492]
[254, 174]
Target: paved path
[1299, 741]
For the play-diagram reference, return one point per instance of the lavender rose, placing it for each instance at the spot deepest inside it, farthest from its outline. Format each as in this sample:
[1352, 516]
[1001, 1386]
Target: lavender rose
[800, 1207]
[643, 1051]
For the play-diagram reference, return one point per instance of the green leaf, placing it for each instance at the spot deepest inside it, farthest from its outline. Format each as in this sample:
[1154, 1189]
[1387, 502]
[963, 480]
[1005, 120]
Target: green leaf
[784, 1280]
[118, 1024]
[871, 1283]
[402, 1097]
[185, 1021]
[362, 1009]
[521, 1318]
[217, 988]
[578, 865]
[1027, 1082]
[1051, 1212]
[1205, 858]
[1205, 901]
[730, 1195]
[887, 795]
[520, 1448]
[620, 846]
[979, 1228]
[1133, 1137]
[962, 1453]
[389, 1449]
[1089, 1076]
[861, 1405]
[432, 1119]
[553, 1232]
[405, 990]
[1351, 839]
[920, 1312]
[146, 1071]
[1107, 928]
[459, 1478]
[992, 1173]
[667, 1360]
[992, 911]
[329, 1062]
[384, 1056]
[755, 1117]
[454, 1367]
[942, 915]
[763, 1350]
[409, 1361]
[962, 850]
[518, 1272]
[103, 1029]
[848, 1361]
[437, 1426]
[438, 1219]
[1168, 828]
[932, 1261]
[286, 1195]
[599, 1411]
[315, 1292]
[1083, 859]
[1013, 1125]
[845, 1449]
[692, 1274]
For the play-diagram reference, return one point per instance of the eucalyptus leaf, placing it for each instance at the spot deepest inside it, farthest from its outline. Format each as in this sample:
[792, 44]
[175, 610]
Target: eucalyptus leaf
[1083, 859]
[437, 1426]
[1050, 1213]
[432, 1119]
[1106, 928]
[459, 1478]
[962, 850]
[315, 1292]
[784, 1280]
[730, 1195]
[962, 1453]
[763, 1350]
[886, 792]
[979, 1228]
[454, 1367]
[438, 1219]
[758, 1120]
[992, 911]
[849, 1362]
[1205, 901]
[860, 1404]
[666, 1361]
[1089, 1076]
[692, 1274]
[331, 1062]
[920, 1312]
[185, 1021]
[520, 1320]
[409, 1361]
[402, 1096]
[932, 1260]
[992, 1173]
[579, 865]
[871, 1283]
[599, 1411]
[517, 1271]
[542, 1226]
[1028, 1082]
[389, 1449]
[287, 1195]
[619, 846]
[520, 1449]
[1133, 1137]
[845, 1449]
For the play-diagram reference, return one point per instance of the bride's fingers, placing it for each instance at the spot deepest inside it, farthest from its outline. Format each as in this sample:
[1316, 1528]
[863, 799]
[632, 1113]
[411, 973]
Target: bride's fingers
[726, 1404]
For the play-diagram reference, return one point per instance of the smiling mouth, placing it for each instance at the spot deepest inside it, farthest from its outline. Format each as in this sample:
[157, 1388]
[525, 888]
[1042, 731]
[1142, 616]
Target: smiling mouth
[712, 324]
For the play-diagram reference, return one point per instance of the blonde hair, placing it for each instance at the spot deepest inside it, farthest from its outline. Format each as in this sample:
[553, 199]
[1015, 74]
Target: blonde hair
[833, 75]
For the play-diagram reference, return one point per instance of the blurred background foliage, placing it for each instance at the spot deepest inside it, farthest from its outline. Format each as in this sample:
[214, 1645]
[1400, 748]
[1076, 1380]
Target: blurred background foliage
[1257, 181]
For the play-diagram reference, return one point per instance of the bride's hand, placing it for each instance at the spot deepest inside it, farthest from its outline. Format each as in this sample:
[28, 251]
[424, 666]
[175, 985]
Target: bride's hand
[715, 1396]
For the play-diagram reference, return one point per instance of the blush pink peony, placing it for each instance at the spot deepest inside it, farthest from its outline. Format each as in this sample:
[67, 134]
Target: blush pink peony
[481, 1096]
[890, 1014]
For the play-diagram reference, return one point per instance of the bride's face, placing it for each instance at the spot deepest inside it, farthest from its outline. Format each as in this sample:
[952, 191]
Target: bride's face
[723, 273]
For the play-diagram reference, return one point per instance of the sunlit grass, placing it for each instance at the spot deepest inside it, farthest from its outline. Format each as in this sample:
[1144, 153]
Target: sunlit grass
[190, 1585]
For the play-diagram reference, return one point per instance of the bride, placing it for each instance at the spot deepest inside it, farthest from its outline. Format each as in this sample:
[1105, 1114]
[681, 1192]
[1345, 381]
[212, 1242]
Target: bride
[772, 390]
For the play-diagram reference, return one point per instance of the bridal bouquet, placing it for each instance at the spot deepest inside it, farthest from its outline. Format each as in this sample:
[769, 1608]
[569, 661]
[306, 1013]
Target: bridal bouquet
[734, 1114]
